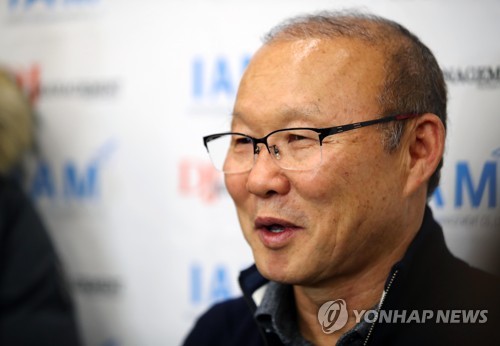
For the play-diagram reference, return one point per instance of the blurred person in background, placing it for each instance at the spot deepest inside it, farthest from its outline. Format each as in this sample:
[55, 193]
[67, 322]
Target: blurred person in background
[336, 144]
[35, 305]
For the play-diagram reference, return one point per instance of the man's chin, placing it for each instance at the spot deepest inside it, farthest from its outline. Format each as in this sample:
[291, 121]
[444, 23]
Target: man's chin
[279, 273]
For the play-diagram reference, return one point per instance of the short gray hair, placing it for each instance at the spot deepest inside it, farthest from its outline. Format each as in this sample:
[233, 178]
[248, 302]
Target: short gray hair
[414, 81]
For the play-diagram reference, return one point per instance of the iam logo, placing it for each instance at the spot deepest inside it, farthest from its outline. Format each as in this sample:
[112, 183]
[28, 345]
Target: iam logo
[332, 315]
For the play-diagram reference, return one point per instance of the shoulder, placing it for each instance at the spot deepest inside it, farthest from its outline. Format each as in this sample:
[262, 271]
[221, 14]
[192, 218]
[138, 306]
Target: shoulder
[229, 312]
[430, 271]
[227, 323]
[462, 302]
[15, 206]
[11, 193]
[20, 224]
[471, 287]
[438, 279]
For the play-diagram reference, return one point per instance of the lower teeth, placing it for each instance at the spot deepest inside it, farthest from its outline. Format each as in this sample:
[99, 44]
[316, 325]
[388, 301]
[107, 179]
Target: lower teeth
[277, 230]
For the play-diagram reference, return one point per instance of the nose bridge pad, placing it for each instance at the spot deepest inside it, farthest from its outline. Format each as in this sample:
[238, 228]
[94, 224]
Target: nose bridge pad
[271, 149]
[259, 148]
[275, 151]
[256, 150]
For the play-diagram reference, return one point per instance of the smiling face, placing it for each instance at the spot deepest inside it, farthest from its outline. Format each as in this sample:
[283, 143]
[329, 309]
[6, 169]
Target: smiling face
[310, 227]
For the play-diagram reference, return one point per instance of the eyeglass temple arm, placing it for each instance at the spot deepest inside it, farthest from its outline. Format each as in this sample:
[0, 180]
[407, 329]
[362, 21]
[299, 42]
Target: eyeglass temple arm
[338, 129]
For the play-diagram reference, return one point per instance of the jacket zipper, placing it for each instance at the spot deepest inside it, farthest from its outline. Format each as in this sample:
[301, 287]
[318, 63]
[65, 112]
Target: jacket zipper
[386, 292]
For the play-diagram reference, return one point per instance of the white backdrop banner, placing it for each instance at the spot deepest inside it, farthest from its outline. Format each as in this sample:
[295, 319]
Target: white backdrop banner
[124, 92]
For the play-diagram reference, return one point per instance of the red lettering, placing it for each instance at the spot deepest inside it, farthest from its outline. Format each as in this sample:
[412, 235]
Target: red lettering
[199, 178]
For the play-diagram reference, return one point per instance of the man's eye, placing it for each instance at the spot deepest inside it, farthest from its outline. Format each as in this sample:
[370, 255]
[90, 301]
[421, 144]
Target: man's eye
[299, 137]
[242, 140]
[294, 138]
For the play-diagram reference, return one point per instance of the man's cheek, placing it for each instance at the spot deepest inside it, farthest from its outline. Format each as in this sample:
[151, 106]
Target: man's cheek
[235, 187]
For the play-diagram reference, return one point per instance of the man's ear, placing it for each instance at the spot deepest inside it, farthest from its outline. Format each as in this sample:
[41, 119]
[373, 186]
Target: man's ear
[425, 140]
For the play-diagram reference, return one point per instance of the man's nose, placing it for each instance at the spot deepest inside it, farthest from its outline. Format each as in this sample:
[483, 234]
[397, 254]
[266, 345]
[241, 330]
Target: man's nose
[266, 177]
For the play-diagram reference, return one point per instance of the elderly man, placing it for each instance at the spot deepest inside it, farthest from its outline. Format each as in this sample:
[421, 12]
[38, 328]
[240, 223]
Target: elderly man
[336, 143]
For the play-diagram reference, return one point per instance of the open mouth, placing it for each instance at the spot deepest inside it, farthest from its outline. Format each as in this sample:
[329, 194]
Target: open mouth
[275, 233]
[275, 228]
[273, 225]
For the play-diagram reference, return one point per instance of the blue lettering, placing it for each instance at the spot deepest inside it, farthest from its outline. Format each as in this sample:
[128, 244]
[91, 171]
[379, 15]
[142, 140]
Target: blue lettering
[43, 181]
[110, 342]
[215, 77]
[464, 179]
[496, 153]
[83, 2]
[29, 3]
[217, 288]
[48, 3]
[222, 78]
[83, 183]
[195, 284]
[220, 287]
[198, 78]
[245, 62]
[78, 186]
[437, 197]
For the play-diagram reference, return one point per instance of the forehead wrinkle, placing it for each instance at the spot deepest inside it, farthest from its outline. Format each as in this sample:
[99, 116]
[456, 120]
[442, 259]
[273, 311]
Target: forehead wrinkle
[308, 110]
[284, 111]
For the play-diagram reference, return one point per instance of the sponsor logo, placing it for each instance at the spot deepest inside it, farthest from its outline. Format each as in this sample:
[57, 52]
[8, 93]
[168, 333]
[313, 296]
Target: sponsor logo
[30, 80]
[469, 195]
[480, 76]
[71, 180]
[475, 190]
[110, 342]
[210, 284]
[82, 89]
[49, 5]
[97, 285]
[214, 82]
[33, 12]
[199, 178]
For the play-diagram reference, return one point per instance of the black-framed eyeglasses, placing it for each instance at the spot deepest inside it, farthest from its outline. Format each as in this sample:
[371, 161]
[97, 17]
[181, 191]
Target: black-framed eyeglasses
[297, 149]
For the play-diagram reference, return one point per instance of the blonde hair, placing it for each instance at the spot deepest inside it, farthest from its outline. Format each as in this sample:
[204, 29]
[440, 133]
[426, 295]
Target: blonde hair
[16, 122]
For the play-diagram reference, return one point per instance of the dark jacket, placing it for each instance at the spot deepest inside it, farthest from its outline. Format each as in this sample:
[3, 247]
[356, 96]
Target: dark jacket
[429, 277]
[35, 308]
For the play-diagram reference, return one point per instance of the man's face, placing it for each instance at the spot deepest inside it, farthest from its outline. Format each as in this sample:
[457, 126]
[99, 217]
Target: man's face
[337, 219]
